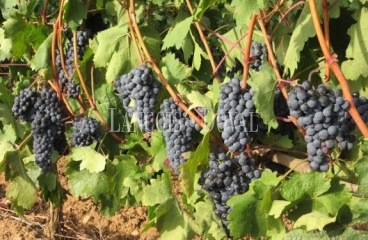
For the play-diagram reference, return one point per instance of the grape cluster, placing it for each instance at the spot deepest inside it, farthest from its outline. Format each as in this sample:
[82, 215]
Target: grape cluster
[46, 127]
[44, 111]
[178, 130]
[322, 112]
[86, 131]
[237, 118]
[139, 91]
[258, 52]
[226, 177]
[71, 87]
[24, 105]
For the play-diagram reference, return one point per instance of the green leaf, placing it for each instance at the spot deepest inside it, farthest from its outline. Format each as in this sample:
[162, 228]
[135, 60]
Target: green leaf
[48, 180]
[357, 55]
[152, 40]
[264, 85]
[280, 141]
[305, 185]
[85, 184]
[189, 168]
[361, 167]
[42, 57]
[253, 207]
[123, 61]
[198, 100]
[303, 31]
[175, 71]
[177, 34]
[303, 234]
[22, 191]
[5, 46]
[278, 208]
[126, 168]
[160, 191]
[202, 7]
[158, 150]
[107, 43]
[74, 13]
[90, 159]
[209, 223]
[243, 10]
[314, 220]
[331, 201]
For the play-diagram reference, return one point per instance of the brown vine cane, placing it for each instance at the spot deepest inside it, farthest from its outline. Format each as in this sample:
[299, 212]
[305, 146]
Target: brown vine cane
[332, 63]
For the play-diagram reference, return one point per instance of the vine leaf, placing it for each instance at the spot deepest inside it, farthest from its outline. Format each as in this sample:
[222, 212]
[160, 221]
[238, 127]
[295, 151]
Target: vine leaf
[189, 168]
[361, 167]
[252, 207]
[43, 55]
[158, 150]
[303, 31]
[175, 71]
[127, 167]
[278, 207]
[85, 184]
[124, 60]
[91, 160]
[159, 192]
[208, 222]
[314, 220]
[264, 85]
[301, 186]
[243, 10]
[107, 43]
[152, 40]
[203, 6]
[177, 34]
[22, 191]
[280, 141]
[357, 53]
[74, 13]
[5, 46]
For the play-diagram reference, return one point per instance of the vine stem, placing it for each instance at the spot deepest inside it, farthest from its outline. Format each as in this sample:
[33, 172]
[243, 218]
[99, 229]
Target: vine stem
[205, 43]
[43, 14]
[172, 93]
[288, 11]
[327, 32]
[24, 141]
[14, 65]
[248, 42]
[131, 30]
[332, 63]
[91, 103]
[221, 37]
[230, 49]
[275, 69]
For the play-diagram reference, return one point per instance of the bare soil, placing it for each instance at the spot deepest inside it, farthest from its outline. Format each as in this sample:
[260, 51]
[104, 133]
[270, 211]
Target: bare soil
[81, 219]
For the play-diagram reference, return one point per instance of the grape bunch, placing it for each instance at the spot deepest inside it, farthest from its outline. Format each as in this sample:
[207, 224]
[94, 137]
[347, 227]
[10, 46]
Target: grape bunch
[139, 91]
[178, 130]
[46, 127]
[44, 111]
[71, 87]
[24, 105]
[226, 177]
[258, 53]
[86, 131]
[237, 118]
[323, 113]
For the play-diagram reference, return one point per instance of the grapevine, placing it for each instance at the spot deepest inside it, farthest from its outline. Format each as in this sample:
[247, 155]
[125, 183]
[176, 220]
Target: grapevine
[201, 119]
